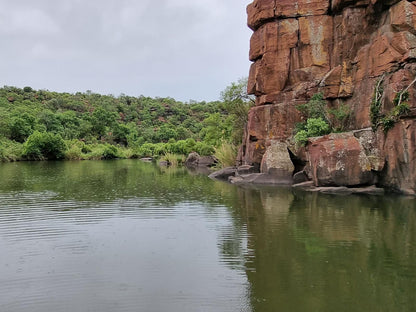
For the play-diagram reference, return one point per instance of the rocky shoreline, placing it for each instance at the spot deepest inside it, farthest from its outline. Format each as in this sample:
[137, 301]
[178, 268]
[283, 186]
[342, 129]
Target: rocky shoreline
[246, 176]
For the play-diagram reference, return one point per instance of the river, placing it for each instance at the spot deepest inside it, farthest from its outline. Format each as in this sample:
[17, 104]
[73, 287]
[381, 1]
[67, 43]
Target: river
[130, 236]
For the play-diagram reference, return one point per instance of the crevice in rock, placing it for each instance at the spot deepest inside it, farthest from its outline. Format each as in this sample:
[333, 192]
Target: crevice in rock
[297, 162]
[253, 138]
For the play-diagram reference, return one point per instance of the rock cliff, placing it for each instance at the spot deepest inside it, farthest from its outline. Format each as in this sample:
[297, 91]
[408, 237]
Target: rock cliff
[359, 54]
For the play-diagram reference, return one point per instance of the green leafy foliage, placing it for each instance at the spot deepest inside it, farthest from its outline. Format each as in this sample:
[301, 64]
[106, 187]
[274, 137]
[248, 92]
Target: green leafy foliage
[314, 108]
[237, 103]
[95, 126]
[314, 127]
[316, 123]
[340, 116]
[43, 145]
[320, 119]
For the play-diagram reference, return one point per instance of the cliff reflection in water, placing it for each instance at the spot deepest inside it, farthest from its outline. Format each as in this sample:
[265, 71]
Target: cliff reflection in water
[314, 252]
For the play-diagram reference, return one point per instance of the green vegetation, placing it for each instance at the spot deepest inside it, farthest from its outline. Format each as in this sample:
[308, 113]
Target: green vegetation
[42, 125]
[44, 145]
[237, 103]
[173, 159]
[388, 119]
[320, 119]
[226, 153]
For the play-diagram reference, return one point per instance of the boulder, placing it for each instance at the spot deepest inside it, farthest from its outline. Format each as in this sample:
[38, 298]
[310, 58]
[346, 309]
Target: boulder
[277, 162]
[300, 177]
[345, 159]
[194, 160]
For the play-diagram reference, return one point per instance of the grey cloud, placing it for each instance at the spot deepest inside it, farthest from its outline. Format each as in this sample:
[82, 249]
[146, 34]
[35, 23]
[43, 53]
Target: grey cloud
[184, 49]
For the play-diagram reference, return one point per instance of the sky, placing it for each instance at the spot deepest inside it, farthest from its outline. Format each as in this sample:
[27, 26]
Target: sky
[184, 49]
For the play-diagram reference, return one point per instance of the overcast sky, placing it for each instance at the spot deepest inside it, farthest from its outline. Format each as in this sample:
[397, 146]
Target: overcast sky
[185, 49]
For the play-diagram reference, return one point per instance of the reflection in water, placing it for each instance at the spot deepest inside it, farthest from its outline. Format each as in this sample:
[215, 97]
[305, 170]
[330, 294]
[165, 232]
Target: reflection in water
[314, 252]
[129, 236]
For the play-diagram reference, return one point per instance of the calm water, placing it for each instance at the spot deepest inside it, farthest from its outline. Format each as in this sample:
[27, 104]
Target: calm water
[129, 236]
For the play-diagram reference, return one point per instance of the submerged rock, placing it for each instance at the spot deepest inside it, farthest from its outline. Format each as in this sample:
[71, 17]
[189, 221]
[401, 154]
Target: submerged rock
[223, 174]
[261, 179]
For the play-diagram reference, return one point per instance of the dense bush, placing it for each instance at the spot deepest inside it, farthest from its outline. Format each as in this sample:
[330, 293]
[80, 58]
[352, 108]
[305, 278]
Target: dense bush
[44, 145]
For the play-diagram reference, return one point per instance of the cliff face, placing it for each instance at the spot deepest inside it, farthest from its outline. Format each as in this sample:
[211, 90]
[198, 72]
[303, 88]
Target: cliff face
[346, 49]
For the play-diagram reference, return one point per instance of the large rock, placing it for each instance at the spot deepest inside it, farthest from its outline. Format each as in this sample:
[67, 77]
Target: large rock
[345, 159]
[277, 162]
[400, 155]
[342, 48]
[194, 160]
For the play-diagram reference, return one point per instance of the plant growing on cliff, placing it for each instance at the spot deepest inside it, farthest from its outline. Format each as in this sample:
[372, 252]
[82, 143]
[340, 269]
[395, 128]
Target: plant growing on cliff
[389, 119]
[340, 116]
[314, 108]
[314, 127]
[401, 109]
[316, 123]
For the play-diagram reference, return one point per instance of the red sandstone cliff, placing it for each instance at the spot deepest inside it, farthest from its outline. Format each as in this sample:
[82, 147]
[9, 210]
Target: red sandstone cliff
[341, 48]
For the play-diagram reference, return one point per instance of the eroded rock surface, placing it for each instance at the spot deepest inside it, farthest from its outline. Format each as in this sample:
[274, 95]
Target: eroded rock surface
[344, 49]
[342, 159]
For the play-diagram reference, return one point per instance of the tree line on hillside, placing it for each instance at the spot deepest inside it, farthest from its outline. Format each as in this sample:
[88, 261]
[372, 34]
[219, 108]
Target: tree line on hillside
[41, 124]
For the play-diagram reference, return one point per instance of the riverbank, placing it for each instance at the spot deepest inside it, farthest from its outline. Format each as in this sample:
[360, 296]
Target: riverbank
[246, 175]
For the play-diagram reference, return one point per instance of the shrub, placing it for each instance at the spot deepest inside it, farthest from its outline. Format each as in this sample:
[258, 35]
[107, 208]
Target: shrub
[340, 117]
[173, 159]
[315, 107]
[226, 154]
[314, 127]
[301, 137]
[110, 152]
[204, 149]
[10, 150]
[146, 150]
[401, 109]
[74, 153]
[43, 145]
[317, 127]
[387, 122]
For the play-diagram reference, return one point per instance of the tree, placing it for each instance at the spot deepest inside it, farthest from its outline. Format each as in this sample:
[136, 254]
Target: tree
[237, 103]
[102, 120]
[21, 127]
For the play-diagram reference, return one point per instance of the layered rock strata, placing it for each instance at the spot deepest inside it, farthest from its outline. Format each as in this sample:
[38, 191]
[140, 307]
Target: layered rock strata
[345, 49]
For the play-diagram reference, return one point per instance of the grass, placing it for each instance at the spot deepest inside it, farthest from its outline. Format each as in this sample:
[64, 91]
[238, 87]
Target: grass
[226, 154]
[172, 159]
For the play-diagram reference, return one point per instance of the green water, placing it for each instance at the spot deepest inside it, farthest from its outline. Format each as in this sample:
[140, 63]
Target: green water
[130, 236]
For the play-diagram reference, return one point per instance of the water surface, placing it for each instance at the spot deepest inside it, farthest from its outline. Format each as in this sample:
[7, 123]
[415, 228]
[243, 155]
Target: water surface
[130, 236]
